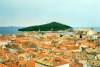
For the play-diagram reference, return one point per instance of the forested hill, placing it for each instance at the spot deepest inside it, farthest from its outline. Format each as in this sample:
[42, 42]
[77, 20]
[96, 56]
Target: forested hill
[53, 26]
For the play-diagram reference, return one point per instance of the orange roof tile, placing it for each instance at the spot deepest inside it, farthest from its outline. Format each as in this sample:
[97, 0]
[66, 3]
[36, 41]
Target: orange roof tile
[73, 64]
[90, 44]
[30, 63]
[22, 62]
[12, 65]
[18, 39]
[65, 43]
[2, 65]
[5, 38]
[12, 56]
[4, 57]
[0, 47]
[72, 47]
[58, 61]
[58, 50]
[46, 46]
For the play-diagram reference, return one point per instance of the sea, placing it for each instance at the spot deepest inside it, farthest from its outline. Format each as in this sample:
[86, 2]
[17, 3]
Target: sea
[10, 30]
[14, 30]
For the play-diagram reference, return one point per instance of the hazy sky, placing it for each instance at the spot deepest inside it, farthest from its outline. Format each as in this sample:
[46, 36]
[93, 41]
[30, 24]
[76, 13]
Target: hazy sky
[35, 12]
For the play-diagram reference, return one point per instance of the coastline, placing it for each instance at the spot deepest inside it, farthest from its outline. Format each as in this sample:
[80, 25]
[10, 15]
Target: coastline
[14, 30]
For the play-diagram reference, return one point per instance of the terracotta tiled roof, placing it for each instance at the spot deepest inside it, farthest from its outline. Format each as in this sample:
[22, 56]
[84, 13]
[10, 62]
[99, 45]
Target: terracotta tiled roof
[73, 64]
[90, 44]
[65, 43]
[22, 62]
[0, 47]
[12, 65]
[72, 47]
[4, 57]
[46, 46]
[12, 56]
[58, 61]
[5, 38]
[2, 65]
[30, 63]
[58, 50]
[18, 39]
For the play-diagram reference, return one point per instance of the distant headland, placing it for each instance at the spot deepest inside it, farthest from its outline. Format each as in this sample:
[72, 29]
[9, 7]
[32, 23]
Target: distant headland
[53, 26]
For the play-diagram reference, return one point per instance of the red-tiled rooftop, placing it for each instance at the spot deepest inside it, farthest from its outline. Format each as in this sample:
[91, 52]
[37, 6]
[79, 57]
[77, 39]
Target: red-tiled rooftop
[72, 47]
[65, 43]
[19, 39]
[2, 65]
[57, 50]
[73, 64]
[59, 61]
[46, 46]
[22, 61]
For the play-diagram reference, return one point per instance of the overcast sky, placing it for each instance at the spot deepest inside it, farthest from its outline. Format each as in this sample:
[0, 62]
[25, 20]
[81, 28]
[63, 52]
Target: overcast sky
[81, 13]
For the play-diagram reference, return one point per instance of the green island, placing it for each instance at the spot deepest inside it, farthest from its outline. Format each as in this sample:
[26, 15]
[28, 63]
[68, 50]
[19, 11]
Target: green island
[53, 26]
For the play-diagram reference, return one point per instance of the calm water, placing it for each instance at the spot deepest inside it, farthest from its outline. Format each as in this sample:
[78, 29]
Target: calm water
[9, 30]
[14, 30]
